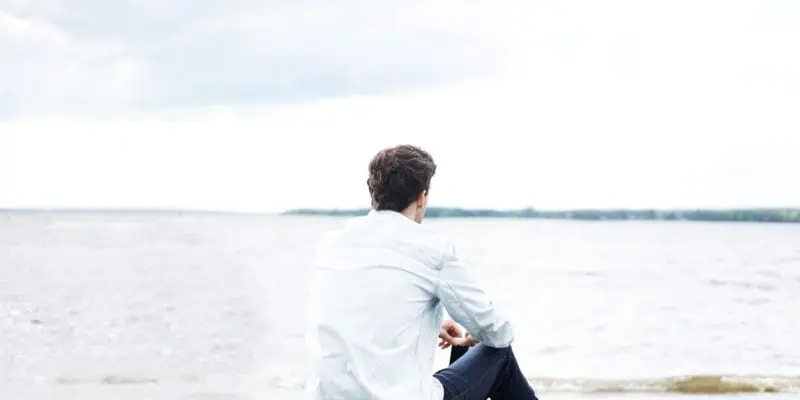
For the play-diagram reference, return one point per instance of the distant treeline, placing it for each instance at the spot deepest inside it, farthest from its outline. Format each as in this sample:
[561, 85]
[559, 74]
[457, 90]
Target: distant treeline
[745, 215]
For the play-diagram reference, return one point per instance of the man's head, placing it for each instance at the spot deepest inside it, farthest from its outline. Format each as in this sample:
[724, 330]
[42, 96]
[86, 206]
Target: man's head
[399, 178]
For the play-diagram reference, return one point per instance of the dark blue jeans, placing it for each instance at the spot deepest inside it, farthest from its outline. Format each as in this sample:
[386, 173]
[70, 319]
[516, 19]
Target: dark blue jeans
[484, 372]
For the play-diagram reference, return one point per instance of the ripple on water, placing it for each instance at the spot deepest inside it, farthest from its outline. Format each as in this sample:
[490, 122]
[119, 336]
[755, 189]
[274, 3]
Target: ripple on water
[761, 286]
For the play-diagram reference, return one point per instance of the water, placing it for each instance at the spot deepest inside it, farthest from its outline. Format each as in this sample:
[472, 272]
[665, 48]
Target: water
[203, 306]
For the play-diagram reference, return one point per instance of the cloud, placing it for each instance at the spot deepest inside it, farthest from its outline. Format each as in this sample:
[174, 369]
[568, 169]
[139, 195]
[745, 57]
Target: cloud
[492, 152]
[99, 56]
[587, 104]
[44, 68]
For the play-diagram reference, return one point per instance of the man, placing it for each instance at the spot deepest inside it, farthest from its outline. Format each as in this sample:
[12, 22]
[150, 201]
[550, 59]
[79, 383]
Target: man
[378, 295]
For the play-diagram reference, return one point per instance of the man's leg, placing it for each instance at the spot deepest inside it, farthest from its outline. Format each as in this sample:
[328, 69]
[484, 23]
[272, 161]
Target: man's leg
[456, 352]
[484, 372]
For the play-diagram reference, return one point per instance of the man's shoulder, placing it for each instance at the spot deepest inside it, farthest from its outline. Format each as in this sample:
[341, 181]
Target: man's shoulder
[418, 241]
[430, 244]
[433, 236]
[340, 235]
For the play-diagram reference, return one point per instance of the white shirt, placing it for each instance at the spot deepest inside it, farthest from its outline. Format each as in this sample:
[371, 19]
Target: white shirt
[376, 305]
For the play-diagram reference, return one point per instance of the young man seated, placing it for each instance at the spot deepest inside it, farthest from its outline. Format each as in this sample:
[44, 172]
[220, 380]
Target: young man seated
[379, 290]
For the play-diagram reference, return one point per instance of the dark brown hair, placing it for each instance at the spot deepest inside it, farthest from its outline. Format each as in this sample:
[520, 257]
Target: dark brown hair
[398, 175]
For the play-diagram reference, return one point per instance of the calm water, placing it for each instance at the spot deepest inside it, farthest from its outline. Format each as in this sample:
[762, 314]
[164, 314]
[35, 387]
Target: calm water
[168, 306]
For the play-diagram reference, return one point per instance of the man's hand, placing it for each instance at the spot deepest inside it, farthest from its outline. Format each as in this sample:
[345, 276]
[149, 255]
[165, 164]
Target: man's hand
[451, 334]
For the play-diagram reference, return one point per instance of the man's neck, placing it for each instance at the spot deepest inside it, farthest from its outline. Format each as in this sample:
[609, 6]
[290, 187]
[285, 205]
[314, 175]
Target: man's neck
[410, 213]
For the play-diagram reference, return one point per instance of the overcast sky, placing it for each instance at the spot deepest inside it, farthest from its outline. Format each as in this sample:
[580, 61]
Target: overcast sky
[269, 105]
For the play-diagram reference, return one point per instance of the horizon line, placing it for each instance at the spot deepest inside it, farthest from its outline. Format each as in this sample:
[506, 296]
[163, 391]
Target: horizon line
[354, 209]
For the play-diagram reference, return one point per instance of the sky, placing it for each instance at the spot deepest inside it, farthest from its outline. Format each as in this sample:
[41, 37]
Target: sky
[272, 105]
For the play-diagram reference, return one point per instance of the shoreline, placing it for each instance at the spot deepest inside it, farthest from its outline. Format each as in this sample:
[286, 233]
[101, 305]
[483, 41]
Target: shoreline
[772, 215]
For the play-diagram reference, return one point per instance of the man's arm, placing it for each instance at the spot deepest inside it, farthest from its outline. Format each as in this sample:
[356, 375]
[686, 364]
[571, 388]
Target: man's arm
[467, 303]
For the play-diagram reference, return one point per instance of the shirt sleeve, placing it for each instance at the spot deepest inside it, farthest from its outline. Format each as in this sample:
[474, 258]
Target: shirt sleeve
[467, 303]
